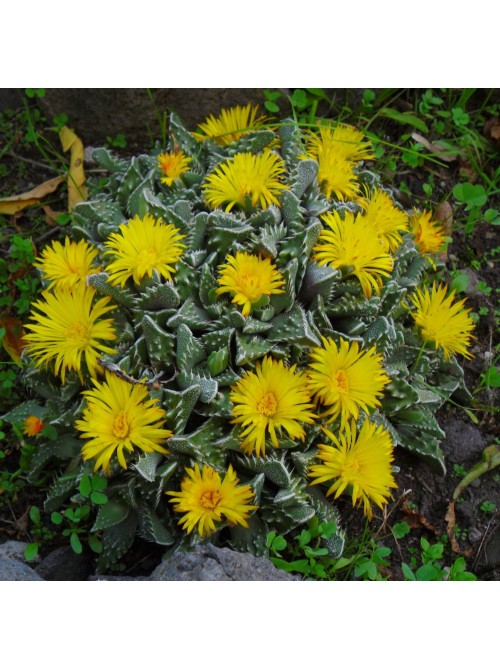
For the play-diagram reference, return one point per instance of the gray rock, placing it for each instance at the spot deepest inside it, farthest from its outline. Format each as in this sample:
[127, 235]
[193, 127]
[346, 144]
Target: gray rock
[63, 565]
[15, 571]
[115, 578]
[462, 441]
[206, 563]
[13, 549]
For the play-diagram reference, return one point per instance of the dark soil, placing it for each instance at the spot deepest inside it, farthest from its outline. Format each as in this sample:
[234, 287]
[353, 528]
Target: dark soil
[423, 497]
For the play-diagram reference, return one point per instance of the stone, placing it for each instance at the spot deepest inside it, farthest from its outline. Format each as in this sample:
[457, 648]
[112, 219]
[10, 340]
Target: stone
[206, 563]
[15, 571]
[115, 578]
[63, 565]
[463, 441]
[13, 549]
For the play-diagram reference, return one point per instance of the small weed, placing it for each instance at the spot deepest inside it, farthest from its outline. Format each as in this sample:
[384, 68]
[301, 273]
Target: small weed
[459, 470]
[431, 568]
[117, 141]
[488, 507]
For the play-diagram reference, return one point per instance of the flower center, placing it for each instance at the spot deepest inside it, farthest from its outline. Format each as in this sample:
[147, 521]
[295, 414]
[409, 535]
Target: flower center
[340, 382]
[251, 286]
[210, 499]
[350, 470]
[121, 428]
[267, 405]
[147, 258]
[76, 332]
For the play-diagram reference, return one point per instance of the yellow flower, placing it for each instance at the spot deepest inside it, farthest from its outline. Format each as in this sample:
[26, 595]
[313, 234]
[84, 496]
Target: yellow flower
[336, 177]
[231, 124]
[337, 150]
[429, 235]
[343, 142]
[359, 462]
[448, 326]
[346, 379]
[248, 278]
[246, 180]
[141, 246]
[173, 165]
[272, 398]
[65, 266]
[67, 330]
[387, 220]
[119, 416]
[33, 426]
[205, 498]
[351, 246]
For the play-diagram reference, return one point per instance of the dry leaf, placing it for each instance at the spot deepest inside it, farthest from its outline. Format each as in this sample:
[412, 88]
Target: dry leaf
[15, 203]
[12, 341]
[492, 129]
[437, 149]
[76, 176]
[51, 215]
[444, 214]
[417, 520]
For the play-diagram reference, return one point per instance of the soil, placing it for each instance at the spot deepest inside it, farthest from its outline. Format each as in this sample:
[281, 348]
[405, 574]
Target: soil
[423, 497]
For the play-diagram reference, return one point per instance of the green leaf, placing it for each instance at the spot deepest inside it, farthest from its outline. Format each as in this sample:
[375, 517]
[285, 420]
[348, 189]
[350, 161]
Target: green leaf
[405, 118]
[56, 518]
[472, 195]
[98, 498]
[400, 529]
[491, 377]
[110, 514]
[460, 282]
[408, 573]
[85, 486]
[95, 544]
[75, 543]
[35, 515]
[31, 551]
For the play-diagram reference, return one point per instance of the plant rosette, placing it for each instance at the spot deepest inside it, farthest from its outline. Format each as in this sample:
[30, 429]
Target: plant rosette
[246, 348]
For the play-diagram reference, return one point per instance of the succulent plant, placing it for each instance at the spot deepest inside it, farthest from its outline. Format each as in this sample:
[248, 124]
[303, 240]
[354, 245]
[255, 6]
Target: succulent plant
[187, 344]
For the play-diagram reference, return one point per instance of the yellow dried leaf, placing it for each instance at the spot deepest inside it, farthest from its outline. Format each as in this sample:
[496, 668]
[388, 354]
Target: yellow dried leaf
[13, 341]
[16, 203]
[76, 175]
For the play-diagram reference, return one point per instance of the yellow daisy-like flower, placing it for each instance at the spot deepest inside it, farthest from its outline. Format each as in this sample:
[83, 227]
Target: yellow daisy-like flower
[273, 398]
[351, 246]
[33, 426]
[141, 246]
[387, 220]
[119, 417]
[246, 180]
[346, 379]
[205, 498]
[173, 165]
[248, 278]
[336, 177]
[231, 124]
[342, 142]
[359, 462]
[440, 321]
[65, 266]
[429, 235]
[68, 329]
[337, 150]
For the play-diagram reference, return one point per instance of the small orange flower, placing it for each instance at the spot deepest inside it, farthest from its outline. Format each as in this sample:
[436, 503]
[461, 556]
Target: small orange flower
[33, 426]
[173, 165]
